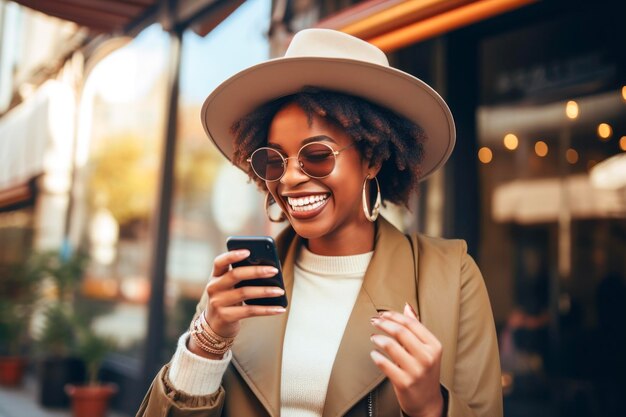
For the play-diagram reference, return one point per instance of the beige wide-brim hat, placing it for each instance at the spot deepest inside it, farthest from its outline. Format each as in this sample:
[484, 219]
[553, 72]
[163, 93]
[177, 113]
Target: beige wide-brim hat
[332, 60]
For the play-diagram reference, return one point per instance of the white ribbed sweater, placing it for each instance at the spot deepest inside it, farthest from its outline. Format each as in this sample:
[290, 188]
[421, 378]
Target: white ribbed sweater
[325, 289]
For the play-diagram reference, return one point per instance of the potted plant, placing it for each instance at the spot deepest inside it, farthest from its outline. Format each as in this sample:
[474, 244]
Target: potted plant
[18, 293]
[57, 337]
[59, 364]
[92, 399]
[12, 363]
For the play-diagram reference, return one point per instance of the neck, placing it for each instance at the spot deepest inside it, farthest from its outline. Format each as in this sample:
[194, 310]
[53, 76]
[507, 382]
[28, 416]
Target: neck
[349, 241]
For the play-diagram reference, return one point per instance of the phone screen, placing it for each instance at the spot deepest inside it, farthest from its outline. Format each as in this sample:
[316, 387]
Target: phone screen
[262, 252]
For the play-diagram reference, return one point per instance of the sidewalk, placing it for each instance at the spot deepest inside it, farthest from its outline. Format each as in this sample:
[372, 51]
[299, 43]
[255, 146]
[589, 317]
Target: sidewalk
[22, 402]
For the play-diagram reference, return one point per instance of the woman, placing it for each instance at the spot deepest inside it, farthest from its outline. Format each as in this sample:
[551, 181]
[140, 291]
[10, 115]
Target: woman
[329, 131]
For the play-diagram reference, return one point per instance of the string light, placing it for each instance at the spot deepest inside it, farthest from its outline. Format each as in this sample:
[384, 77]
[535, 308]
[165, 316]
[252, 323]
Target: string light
[622, 143]
[571, 156]
[605, 131]
[510, 141]
[541, 148]
[571, 109]
[485, 155]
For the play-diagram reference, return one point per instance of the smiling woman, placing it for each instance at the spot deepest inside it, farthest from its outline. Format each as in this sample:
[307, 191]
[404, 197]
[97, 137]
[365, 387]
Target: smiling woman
[329, 132]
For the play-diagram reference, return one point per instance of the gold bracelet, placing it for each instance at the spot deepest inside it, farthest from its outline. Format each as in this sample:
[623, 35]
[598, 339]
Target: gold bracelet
[207, 339]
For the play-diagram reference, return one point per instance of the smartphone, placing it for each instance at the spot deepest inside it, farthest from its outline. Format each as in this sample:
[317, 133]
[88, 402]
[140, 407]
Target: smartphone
[262, 252]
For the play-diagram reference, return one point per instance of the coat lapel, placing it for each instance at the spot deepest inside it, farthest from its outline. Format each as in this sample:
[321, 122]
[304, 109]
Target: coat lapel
[258, 349]
[389, 283]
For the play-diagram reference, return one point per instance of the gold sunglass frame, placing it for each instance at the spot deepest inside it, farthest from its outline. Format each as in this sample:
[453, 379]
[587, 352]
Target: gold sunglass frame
[334, 152]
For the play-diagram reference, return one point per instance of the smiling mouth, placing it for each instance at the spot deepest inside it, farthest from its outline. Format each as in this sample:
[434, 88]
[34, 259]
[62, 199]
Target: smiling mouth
[307, 203]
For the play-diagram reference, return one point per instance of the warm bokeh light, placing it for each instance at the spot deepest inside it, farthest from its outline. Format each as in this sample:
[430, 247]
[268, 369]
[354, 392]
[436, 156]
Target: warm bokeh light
[622, 143]
[541, 148]
[510, 141]
[624, 92]
[571, 156]
[605, 131]
[485, 155]
[571, 109]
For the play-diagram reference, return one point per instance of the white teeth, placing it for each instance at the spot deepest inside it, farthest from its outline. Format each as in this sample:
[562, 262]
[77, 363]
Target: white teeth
[307, 203]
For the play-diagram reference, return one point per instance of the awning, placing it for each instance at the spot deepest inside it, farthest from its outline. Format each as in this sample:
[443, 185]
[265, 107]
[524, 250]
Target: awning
[98, 15]
[36, 138]
[18, 196]
[127, 16]
[542, 200]
[393, 24]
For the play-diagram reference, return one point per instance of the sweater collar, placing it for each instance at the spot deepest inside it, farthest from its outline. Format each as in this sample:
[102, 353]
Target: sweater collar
[324, 266]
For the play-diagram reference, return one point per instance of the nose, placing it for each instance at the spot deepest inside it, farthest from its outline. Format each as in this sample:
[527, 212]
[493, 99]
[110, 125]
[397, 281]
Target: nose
[293, 172]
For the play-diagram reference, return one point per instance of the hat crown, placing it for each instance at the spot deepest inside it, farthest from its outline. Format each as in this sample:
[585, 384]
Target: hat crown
[326, 43]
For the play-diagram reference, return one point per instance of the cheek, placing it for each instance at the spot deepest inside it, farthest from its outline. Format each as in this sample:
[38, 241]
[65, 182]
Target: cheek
[347, 190]
[349, 179]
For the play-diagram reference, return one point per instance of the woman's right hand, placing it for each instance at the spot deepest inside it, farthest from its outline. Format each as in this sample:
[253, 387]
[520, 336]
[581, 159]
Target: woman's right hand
[225, 307]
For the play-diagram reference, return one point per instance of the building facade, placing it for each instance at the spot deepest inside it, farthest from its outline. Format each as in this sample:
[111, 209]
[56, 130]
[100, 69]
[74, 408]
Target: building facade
[102, 150]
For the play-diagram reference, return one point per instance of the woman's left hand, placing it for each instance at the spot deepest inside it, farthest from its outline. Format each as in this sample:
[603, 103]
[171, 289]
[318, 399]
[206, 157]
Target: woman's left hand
[413, 362]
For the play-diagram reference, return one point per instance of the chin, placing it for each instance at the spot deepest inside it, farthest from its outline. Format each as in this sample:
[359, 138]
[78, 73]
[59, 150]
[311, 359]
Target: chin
[309, 231]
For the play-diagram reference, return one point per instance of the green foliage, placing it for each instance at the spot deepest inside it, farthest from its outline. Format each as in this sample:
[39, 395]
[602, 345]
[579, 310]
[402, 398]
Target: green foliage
[66, 273]
[92, 348]
[19, 290]
[11, 328]
[58, 334]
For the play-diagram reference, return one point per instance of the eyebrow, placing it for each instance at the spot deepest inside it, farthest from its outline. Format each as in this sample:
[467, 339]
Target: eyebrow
[318, 138]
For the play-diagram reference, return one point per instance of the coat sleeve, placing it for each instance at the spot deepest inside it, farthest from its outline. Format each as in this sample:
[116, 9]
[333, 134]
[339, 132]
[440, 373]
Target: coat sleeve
[162, 400]
[477, 380]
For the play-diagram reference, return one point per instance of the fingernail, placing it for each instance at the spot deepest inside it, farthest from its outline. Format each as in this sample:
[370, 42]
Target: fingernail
[277, 310]
[412, 309]
[277, 291]
[270, 270]
[243, 252]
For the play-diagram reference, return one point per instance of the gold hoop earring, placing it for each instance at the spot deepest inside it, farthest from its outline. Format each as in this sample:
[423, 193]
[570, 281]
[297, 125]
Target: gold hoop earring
[269, 200]
[366, 206]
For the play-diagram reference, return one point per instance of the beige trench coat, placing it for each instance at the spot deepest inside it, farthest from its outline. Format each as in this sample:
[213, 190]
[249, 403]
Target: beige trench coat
[449, 294]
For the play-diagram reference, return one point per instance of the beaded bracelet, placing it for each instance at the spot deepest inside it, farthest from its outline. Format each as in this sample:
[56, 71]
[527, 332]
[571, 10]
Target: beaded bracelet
[207, 339]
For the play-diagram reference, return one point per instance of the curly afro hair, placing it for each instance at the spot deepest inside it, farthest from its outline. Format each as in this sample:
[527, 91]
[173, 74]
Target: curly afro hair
[382, 136]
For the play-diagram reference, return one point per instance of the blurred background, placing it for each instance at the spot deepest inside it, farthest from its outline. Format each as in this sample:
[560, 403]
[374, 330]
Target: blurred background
[113, 203]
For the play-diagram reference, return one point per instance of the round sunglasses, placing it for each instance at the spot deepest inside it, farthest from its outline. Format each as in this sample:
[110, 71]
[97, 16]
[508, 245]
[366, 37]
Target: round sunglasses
[316, 159]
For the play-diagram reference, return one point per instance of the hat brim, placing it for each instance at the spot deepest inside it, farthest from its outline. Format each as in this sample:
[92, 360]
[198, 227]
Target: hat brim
[396, 90]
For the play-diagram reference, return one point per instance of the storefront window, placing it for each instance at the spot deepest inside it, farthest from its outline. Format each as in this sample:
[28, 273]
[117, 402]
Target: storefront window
[119, 147]
[553, 225]
[212, 198]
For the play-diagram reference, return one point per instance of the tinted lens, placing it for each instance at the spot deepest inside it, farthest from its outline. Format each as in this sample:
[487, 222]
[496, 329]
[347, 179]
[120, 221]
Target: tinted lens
[267, 164]
[317, 159]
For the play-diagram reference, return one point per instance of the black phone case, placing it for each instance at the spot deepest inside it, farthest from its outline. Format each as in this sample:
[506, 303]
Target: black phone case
[262, 252]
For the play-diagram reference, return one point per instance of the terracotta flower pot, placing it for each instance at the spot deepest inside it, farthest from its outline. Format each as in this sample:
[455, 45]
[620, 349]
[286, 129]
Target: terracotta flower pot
[90, 400]
[11, 370]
